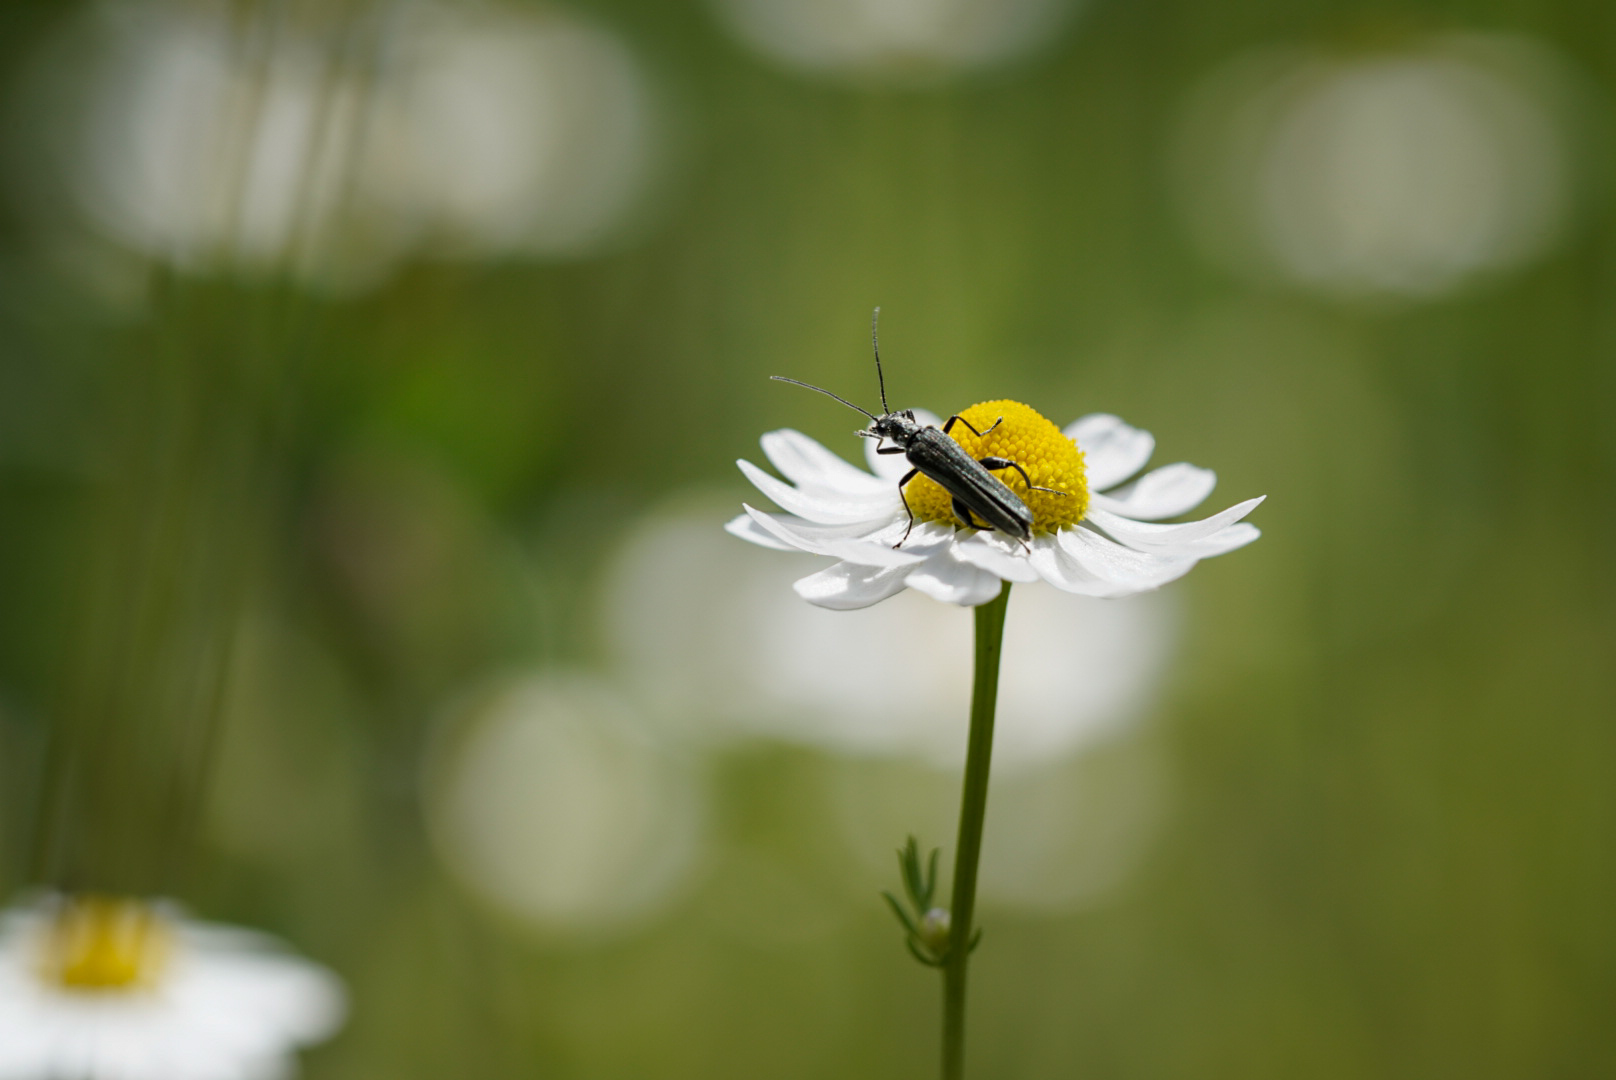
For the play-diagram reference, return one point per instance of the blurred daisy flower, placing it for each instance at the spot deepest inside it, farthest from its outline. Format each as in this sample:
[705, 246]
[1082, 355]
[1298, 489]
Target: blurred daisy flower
[1094, 532]
[105, 988]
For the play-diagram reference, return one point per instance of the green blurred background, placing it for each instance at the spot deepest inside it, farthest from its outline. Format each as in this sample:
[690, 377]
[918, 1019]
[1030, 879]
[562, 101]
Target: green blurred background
[371, 377]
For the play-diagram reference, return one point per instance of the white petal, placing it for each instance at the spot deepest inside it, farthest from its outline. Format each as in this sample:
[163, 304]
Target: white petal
[892, 466]
[1066, 573]
[1161, 493]
[803, 537]
[1125, 569]
[946, 578]
[889, 467]
[1112, 451]
[847, 586]
[744, 527]
[998, 556]
[824, 509]
[926, 538]
[1197, 538]
[1227, 540]
[810, 466]
[817, 533]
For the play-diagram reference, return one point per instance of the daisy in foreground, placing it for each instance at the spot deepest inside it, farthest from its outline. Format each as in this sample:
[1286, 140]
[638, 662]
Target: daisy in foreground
[1094, 533]
[1068, 511]
[104, 988]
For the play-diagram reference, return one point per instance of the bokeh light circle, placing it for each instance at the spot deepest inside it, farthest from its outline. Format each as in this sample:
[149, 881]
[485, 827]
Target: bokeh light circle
[331, 150]
[508, 132]
[549, 796]
[894, 40]
[1058, 837]
[1403, 171]
[750, 659]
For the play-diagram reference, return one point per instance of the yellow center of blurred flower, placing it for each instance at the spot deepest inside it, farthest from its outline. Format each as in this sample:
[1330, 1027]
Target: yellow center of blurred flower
[1026, 438]
[103, 943]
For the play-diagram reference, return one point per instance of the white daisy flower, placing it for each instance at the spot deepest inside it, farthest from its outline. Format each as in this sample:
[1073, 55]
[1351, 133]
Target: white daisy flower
[104, 988]
[1095, 533]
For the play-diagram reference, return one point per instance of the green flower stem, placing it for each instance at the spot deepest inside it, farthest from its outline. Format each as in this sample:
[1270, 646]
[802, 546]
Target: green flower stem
[973, 810]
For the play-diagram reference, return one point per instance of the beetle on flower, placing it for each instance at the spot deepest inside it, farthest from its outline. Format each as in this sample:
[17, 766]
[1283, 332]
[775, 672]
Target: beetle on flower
[1094, 532]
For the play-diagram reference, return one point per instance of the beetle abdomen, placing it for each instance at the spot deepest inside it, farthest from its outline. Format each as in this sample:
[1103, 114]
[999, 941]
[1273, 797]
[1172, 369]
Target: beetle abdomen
[943, 460]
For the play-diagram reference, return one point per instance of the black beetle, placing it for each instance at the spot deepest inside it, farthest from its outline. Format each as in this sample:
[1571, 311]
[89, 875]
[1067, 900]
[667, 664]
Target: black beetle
[975, 490]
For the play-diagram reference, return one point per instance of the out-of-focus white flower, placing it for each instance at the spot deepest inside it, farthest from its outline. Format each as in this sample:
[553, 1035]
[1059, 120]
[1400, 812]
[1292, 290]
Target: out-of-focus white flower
[330, 150]
[1092, 535]
[905, 40]
[740, 664]
[102, 988]
[1404, 171]
[511, 133]
[552, 799]
[1065, 830]
[184, 142]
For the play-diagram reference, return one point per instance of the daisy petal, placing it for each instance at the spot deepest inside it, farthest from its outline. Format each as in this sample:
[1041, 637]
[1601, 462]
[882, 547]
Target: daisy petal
[824, 509]
[927, 538]
[891, 467]
[1191, 538]
[847, 586]
[1064, 572]
[1161, 493]
[1122, 569]
[1227, 540]
[1112, 451]
[854, 549]
[814, 532]
[810, 466]
[744, 527]
[946, 578]
[987, 552]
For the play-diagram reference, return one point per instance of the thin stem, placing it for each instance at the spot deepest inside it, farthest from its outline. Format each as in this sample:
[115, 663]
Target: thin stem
[973, 810]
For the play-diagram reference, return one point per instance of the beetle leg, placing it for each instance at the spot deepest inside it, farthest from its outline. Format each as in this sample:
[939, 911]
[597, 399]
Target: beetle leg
[1006, 463]
[889, 449]
[908, 476]
[963, 512]
[958, 419]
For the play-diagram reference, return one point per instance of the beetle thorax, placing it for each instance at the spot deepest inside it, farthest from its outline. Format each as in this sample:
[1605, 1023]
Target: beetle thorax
[900, 427]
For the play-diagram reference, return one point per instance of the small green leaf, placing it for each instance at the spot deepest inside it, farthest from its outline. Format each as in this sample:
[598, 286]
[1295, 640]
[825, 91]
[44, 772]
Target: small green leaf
[914, 950]
[903, 916]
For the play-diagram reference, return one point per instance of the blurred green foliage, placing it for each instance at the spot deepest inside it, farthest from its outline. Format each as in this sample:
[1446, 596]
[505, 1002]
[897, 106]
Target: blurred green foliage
[1389, 849]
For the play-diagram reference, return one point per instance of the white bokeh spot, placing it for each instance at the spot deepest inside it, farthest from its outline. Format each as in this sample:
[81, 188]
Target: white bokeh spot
[184, 136]
[919, 40]
[749, 660]
[1405, 172]
[550, 797]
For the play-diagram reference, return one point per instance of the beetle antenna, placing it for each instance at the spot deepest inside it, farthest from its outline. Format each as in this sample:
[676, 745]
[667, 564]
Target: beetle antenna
[827, 393]
[875, 340]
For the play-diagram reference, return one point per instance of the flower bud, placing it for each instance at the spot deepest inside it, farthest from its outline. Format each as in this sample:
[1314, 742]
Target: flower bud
[934, 930]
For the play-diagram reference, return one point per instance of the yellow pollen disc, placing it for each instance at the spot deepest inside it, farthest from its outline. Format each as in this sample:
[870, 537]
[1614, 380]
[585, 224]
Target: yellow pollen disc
[1026, 438]
[103, 943]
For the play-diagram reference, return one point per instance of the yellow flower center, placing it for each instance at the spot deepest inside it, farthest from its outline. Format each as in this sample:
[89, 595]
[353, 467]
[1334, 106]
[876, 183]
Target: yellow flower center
[104, 943]
[1026, 438]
